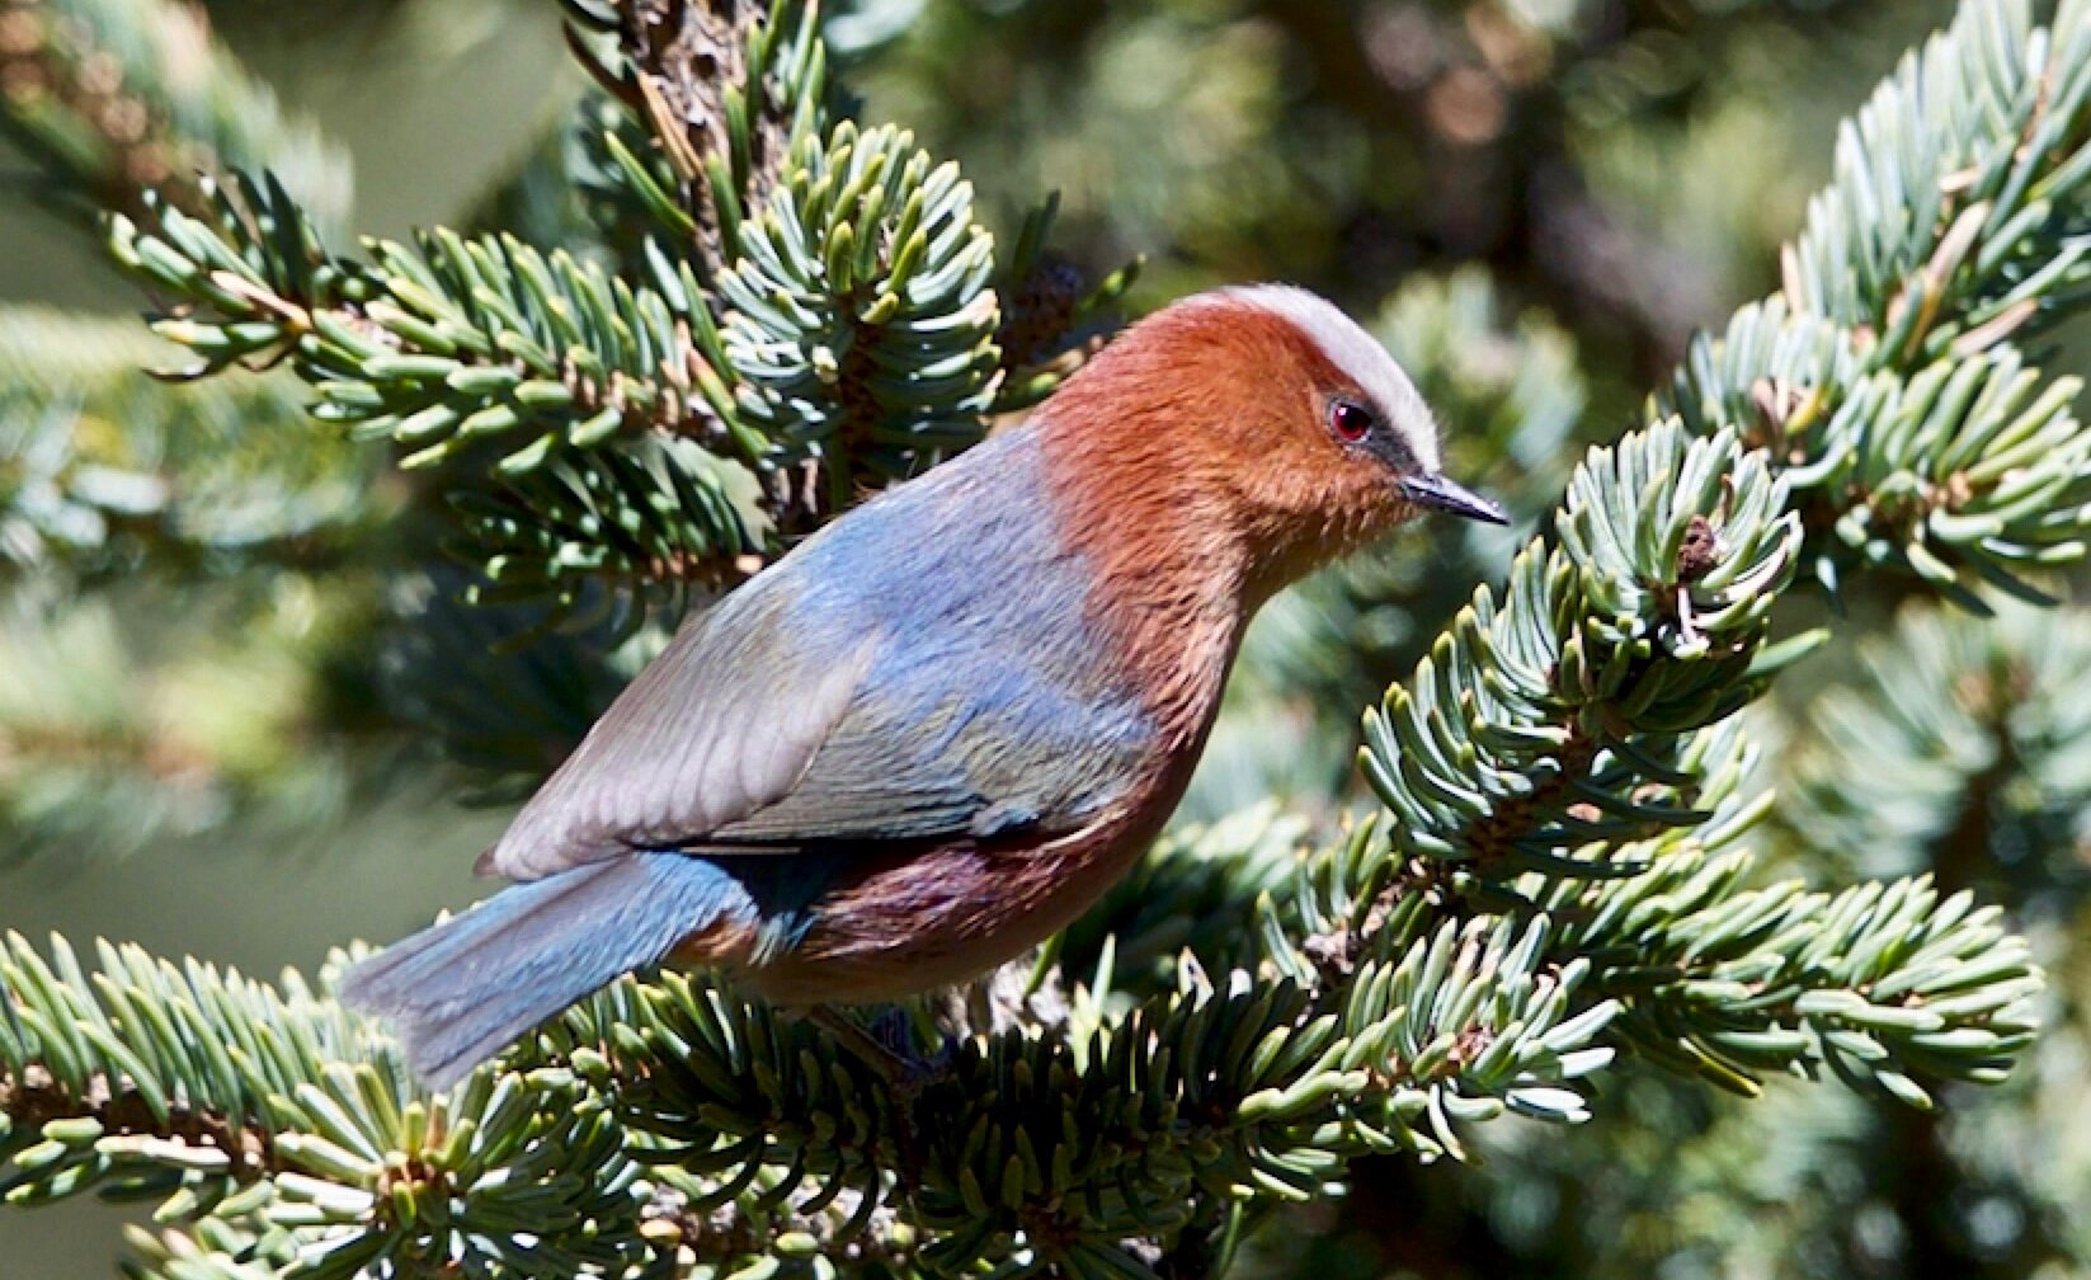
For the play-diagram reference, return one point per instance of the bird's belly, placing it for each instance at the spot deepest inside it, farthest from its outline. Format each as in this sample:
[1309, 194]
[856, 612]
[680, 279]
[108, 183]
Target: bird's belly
[938, 918]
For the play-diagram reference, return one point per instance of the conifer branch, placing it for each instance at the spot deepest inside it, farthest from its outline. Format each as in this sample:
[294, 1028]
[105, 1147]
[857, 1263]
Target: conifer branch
[1553, 717]
[113, 744]
[1954, 729]
[99, 466]
[118, 98]
[1883, 376]
[1553, 878]
[615, 443]
[853, 344]
[724, 90]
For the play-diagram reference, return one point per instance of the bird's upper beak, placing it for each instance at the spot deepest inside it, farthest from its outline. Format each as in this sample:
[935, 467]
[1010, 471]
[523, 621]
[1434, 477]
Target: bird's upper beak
[1437, 493]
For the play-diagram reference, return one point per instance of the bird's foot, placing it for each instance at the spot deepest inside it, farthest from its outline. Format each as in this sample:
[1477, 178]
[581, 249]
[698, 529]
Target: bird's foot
[895, 1031]
[887, 1046]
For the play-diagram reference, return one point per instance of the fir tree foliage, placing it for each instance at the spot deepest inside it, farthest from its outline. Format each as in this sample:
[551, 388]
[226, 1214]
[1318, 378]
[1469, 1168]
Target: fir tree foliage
[2004, 749]
[169, 710]
[1555, 872]
[1884, 372]
[814, 316]
[105, 477]
[102, 469]
[120, 97]
[1990, 763]
[1953, 747]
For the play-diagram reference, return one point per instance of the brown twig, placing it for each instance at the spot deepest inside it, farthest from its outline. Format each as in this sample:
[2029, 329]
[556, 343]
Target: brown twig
[685, 55]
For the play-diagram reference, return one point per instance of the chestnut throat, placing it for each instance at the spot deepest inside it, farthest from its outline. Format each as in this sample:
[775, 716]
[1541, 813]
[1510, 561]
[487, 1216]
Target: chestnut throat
[1173, 582]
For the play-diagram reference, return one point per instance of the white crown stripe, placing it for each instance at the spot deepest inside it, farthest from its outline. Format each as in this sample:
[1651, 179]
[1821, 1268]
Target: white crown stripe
[1357, 353]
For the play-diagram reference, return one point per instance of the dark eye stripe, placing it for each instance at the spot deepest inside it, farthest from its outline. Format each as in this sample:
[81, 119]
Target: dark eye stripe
[1390, 445]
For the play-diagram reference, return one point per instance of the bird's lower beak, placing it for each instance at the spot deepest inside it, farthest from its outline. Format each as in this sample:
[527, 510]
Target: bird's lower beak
[1436, 493]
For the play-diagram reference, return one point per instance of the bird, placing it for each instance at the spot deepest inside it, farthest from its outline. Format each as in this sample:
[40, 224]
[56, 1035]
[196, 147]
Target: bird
[935, 731]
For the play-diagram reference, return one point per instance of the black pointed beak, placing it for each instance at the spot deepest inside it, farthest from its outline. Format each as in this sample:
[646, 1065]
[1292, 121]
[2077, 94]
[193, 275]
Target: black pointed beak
[1436, 493]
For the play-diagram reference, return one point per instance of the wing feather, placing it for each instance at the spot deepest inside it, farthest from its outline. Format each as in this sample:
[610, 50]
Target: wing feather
[886, 681]
[723, 723]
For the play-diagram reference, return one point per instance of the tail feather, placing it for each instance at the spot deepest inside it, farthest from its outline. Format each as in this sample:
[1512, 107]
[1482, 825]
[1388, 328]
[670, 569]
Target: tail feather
[459, 991]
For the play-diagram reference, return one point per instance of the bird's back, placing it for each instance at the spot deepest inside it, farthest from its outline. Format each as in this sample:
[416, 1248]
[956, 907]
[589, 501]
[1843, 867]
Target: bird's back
[929, 667]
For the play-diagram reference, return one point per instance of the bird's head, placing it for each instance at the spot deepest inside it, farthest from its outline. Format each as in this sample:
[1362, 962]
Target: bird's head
[1273, 413]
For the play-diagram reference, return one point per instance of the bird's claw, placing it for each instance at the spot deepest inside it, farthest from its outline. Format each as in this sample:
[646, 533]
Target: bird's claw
[887, 1045]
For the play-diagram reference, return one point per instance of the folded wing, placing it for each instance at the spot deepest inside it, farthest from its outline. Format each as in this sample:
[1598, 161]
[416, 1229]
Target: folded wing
[886, 683]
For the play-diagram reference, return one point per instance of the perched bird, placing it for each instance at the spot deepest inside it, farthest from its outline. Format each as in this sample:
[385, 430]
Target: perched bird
[936, 731]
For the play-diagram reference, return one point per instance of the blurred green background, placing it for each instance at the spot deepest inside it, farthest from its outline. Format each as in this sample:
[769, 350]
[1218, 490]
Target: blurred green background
[1538, 199]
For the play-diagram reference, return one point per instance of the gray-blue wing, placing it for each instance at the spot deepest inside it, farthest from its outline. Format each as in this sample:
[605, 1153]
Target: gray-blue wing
[723, 723]
[995, 744]
[886, 682]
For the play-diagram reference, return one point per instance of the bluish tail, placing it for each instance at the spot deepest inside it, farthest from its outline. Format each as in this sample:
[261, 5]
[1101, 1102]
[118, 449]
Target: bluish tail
[458, 992]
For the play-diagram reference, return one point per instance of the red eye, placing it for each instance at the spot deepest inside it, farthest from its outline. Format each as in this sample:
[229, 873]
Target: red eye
[1349, 422]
